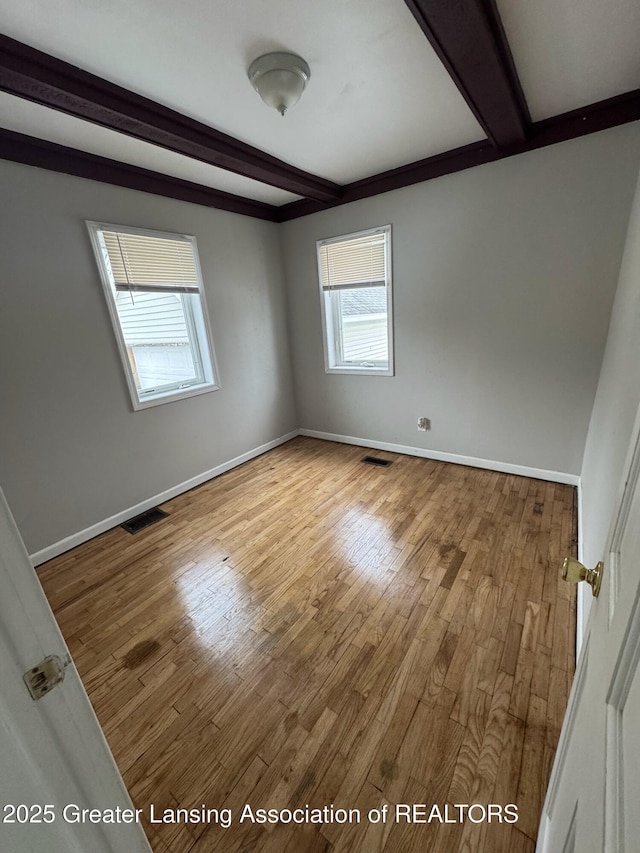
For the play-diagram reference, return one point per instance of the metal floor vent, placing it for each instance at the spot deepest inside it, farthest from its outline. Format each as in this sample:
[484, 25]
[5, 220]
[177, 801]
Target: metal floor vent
[375, 460]
[139, 522]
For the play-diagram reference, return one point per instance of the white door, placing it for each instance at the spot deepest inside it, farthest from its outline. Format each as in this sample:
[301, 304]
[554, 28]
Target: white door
[593, 801]
[53, 755]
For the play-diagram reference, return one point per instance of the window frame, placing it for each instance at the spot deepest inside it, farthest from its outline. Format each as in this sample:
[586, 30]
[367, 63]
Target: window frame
[198, 328]
[331, 338]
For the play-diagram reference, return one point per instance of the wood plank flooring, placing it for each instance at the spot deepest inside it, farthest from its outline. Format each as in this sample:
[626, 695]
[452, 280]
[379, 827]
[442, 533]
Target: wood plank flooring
[309, 629]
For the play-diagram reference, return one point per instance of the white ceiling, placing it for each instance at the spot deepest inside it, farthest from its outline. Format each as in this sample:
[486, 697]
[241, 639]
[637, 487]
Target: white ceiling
[570, 53]
[378, 96]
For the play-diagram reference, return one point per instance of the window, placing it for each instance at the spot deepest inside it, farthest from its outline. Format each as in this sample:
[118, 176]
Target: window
[355, 284]
[154, 291]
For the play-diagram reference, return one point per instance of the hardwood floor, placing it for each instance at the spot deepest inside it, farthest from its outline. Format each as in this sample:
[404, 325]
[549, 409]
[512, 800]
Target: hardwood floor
[309, 629]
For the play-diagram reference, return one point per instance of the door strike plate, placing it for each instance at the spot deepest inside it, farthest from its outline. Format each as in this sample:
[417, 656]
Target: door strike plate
[41, 679]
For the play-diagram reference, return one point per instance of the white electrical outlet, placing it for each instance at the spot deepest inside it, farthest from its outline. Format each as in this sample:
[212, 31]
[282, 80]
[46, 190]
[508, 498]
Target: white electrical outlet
[424, 424]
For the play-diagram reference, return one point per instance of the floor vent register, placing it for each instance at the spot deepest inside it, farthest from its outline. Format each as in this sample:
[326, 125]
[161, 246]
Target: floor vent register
[139, 522]
[375, 460]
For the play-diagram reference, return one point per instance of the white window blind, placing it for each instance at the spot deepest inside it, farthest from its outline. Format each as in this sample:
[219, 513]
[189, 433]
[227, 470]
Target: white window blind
[142, 263]
[359, 262]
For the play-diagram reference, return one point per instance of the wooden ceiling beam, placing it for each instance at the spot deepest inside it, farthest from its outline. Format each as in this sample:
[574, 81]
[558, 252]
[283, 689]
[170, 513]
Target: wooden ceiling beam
[36, 76]
[469, 38]
[20, 148]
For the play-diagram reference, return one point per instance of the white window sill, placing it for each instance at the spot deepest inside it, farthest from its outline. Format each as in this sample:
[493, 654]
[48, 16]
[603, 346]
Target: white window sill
[360, 371]
[172, 396]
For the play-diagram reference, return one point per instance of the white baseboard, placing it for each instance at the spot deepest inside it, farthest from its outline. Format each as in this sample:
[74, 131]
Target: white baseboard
[439, 456]
[81, 536]
[69, 542]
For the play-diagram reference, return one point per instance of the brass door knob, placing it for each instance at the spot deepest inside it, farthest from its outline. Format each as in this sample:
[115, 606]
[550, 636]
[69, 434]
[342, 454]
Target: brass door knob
[574, 572]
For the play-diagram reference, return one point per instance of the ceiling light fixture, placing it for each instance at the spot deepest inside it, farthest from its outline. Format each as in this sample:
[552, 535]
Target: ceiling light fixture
[279, 79]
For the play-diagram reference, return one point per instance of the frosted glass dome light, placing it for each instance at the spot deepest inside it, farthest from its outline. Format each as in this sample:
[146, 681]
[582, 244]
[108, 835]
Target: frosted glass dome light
[279, 79]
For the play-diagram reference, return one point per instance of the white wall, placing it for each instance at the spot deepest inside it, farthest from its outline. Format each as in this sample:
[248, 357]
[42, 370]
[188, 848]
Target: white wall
[615, 407]
[504, 277]
[72, 450]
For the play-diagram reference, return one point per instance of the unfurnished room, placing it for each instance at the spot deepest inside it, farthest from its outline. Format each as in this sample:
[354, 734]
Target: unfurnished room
[320, 426]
